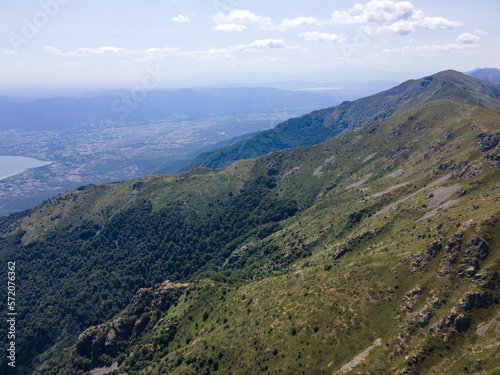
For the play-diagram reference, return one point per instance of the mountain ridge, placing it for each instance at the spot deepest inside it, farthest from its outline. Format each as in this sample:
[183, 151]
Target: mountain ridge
[320, 125]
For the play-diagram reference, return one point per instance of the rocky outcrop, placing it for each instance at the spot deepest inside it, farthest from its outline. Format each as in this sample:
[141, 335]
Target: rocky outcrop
[411, 297]
[420, 260]
[468, 268]
[90, 343]
[342, 249]
[460, 321]
[451, 252]
[487, 279]
[476, 300]
[422, 318]
[485, 142]
[105, 338]
[493, 157]
[477, 248]
[167, 293]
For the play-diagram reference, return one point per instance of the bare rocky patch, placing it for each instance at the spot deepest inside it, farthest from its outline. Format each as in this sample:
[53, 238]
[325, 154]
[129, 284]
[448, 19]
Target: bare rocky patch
[360, 357]
[369, 157]
[317, 171]
[360, 182]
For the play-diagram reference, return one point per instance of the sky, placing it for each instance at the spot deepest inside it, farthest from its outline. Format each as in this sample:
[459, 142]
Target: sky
[157, 43]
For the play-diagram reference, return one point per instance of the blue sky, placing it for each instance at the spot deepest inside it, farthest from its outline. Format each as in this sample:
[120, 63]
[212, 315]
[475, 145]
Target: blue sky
[118, 43]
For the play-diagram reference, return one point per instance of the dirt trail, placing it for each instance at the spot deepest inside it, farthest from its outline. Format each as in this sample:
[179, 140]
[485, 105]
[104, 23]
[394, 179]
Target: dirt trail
[397, 173]
[388, 190]
[442, 207]
[360, 357]
[330, 159]
[290, 172]
[369, 157]
[360, 182]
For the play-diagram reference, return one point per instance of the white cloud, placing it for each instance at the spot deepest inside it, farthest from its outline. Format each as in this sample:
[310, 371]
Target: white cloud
[426, 49]
[298, 22]
[480, 32]
[230, 27]
[90, 51]
[241, 16]
[391, 17]
[158, 54]
[315, 36]
[468, 38]
[259, 45]
[375, 17]
[236, 19]
[181, 18]
[9, 52]
[414, 25]
[146, 55]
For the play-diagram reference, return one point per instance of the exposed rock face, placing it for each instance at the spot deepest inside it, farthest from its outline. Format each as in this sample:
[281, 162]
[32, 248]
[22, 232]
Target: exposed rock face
[90, 343]
[477, 300]
[420, 260]
[469, 268]
[477, 248]
[411, 297]
[451, 252]
[422, 318]
[433, 249]
[120, 330]
[412, 294]
[138, 297]
[460, 321]
[166, 293]
[493, 157]
[487, 279]
[487, 142]
[104, 339]
[342, 249]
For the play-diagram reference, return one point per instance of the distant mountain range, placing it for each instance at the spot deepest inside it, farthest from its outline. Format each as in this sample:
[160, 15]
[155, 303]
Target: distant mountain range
[321, 125]
[489, 74]
[375, 251]
[125, 106]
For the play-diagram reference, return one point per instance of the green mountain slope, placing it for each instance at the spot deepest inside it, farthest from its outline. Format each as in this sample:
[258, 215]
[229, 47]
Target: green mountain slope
[376, 250]
[319, 126]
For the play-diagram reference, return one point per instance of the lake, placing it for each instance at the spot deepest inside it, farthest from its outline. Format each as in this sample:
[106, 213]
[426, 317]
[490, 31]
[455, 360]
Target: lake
[12, 165]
